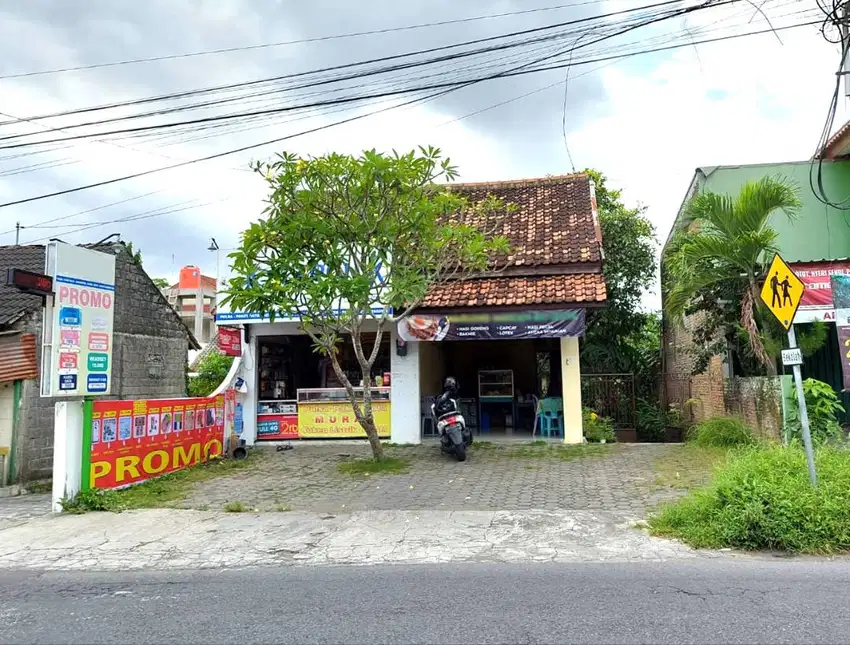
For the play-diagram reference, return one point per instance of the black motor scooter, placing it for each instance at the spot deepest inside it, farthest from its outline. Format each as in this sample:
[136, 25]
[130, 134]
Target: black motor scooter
[455, 437]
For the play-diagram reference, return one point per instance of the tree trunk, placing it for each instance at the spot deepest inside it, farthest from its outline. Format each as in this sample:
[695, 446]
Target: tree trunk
[748, 320]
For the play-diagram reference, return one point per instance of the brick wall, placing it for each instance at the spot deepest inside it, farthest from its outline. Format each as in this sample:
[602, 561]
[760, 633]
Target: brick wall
[149, 356]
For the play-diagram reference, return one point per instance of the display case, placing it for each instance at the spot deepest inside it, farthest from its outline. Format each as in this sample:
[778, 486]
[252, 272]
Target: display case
[339, 394]
[275, 372]
[327, 413]
[289, 406]
[496, 385]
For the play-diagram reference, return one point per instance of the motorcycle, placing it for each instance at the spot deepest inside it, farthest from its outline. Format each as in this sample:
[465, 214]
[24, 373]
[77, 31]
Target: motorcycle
[455, 437]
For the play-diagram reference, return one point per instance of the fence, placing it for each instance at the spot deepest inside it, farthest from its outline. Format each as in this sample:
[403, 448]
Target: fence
[610, 395]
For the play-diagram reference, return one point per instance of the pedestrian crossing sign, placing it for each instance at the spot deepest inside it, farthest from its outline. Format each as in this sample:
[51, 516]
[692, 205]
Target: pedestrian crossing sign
[782, 292]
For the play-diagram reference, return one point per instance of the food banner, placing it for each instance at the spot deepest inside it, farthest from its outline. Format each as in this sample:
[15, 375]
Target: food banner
[132, 441]
[488, 326]
[337, 420]
[841, 301]
[817, 302]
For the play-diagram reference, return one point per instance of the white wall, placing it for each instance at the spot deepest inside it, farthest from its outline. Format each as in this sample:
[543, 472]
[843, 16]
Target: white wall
[406, 401]
[7, 416]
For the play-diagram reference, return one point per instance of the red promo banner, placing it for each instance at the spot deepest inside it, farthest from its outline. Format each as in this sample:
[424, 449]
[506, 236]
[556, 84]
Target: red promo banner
[136, 440]
[274, 427]
[816, 277]
[230, 341]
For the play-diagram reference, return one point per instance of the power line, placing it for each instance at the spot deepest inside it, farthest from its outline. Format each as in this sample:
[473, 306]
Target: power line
[356, 34]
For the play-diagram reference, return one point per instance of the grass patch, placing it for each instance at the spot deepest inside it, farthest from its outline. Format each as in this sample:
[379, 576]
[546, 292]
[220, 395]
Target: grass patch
[162, 492]
[721, 432]
[687, 466]
[234, 507]
[40, 487]
[387, 465]
[486, 445]
[761, 499]
[546, 450]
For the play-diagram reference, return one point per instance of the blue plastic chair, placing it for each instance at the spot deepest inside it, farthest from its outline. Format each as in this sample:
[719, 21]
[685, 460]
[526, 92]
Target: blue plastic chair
[551, 416]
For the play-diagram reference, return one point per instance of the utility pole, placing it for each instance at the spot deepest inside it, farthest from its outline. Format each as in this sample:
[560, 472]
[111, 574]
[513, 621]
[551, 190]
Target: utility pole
[17, 233]
[844, 30]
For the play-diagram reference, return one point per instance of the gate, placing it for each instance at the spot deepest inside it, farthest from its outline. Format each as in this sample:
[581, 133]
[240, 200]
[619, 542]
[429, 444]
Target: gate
[610, 395]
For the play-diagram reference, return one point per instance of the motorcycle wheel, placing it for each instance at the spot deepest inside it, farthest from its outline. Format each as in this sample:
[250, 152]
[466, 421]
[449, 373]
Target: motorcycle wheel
[460, 452]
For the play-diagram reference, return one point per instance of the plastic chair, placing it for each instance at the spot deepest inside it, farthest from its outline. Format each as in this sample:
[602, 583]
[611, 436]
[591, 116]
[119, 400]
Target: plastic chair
[551, 416]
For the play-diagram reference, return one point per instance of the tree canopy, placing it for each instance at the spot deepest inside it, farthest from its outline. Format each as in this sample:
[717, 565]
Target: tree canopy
[350, 244]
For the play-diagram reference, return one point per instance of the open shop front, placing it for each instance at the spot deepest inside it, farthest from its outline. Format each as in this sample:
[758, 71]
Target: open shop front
[518, 372]
[298, 394]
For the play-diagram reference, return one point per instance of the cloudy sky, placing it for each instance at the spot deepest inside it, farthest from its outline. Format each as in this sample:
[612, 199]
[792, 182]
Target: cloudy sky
[647, 121]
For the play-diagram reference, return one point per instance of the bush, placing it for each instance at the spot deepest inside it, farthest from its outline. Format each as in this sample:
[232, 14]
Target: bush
[650, 421]
[597, 428]
[762, 499]
[822, 405]
[721, 432]
[211, 372]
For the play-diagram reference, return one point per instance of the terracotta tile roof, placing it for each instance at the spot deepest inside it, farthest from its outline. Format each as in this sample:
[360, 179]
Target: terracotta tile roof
[573, 289]
[553, 222]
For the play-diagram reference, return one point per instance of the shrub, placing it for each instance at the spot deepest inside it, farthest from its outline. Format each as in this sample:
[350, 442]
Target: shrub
[597, 428]
[721, 432]
[762, 499]
[211, 372]
[650, 421]
[822, 405]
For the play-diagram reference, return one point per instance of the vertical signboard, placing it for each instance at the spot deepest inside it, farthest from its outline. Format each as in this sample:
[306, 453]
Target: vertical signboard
[841, 301]
[78, 321]
[230, 341]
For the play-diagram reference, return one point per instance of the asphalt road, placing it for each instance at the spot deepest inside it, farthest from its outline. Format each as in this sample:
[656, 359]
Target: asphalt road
[729, 601]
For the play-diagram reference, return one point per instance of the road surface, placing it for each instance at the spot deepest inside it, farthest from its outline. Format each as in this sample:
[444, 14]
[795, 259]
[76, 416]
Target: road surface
[721, 601]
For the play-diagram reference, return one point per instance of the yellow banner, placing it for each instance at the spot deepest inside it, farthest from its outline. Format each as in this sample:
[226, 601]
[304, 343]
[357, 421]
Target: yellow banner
[337, 420]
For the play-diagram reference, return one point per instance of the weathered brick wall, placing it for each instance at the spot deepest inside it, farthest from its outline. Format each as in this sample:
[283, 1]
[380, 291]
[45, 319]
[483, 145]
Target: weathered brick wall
[149, 356]
[758, 401]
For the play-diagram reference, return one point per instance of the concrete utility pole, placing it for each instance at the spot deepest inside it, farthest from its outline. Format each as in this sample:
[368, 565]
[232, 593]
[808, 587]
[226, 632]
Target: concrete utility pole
[17, 233]
[845, 46]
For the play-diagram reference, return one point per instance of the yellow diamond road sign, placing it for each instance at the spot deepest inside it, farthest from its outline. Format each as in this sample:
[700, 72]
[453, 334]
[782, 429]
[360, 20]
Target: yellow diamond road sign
[782, 292]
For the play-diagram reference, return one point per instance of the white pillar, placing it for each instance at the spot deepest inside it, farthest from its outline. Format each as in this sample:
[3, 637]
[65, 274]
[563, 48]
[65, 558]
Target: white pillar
[405, 425]
[67, 451]
[248, 371]
[571, 385]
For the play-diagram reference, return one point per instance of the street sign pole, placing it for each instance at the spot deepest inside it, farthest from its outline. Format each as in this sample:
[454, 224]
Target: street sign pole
[804, 414]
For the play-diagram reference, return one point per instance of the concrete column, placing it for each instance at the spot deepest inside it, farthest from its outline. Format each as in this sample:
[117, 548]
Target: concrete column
[248, 371]
[67, 451]
[571, 384]
[405, 392]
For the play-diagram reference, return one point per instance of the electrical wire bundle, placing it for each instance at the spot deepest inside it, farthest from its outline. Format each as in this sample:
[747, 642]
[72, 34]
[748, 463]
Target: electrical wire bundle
[386, 83]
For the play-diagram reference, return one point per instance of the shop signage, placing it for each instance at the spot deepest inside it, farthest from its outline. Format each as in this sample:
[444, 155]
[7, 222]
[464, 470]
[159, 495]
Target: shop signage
[77, 342]
[817, 301]
[29, 282]
[230, 341]
[132, 441]
[277, 427]
[337, 420]
[488, 326]
[841, 300]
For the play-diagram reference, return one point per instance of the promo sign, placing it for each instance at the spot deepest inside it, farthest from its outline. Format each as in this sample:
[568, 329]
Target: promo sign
[230, 341]
[817, 302]
[79, 322]
[132, 441]
[337, 420]
[488, 326]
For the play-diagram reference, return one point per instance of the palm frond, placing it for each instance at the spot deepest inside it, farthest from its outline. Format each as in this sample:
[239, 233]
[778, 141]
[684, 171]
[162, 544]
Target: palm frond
[758, 200]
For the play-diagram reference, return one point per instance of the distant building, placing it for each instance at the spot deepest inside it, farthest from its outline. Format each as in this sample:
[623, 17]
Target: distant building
[193, 298]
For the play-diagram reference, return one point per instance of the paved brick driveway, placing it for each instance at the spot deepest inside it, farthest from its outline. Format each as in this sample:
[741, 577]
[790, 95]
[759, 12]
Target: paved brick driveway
[507, 477]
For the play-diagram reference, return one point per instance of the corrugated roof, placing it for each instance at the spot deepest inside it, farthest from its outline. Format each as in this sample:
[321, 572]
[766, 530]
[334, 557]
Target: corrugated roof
[15, 303]
[17, 357]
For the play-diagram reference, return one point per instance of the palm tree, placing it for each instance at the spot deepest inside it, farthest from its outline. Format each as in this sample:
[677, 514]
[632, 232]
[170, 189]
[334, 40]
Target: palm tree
[729, 240]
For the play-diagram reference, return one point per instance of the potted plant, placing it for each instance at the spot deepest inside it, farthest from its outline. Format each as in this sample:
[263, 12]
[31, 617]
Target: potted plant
[597, 429]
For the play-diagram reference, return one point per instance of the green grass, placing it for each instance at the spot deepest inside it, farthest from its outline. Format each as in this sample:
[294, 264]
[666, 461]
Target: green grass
[234, 507]
[761, 499]
[162, 492]
[546, 450]
[366, 467]
[687, 466]
[39, 487]
[721, 432]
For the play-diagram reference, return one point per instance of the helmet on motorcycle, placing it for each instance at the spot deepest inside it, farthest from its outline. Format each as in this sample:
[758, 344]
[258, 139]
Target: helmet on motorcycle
[450, 384]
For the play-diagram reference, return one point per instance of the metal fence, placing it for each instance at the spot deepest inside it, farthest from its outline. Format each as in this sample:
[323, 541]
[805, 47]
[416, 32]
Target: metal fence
[610, 395]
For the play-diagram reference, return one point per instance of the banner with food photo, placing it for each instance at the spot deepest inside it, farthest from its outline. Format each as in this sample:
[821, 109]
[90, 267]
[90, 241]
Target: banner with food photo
[516, 325]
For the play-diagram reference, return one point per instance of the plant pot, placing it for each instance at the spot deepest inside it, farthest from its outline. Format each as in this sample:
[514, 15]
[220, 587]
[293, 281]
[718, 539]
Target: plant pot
[673, 435]
[626, 435]
[602, 441]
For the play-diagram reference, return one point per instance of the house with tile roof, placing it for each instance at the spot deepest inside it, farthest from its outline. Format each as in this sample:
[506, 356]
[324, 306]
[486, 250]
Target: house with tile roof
[510, 336]
[150, 345]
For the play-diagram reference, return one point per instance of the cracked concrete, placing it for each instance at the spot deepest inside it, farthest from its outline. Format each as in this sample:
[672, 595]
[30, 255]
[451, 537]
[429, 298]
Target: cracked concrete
[173, 539]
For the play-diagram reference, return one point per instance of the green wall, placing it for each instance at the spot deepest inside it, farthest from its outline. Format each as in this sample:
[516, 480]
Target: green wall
[820, 232]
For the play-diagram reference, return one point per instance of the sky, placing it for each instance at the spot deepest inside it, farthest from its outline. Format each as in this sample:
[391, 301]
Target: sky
[645, 121]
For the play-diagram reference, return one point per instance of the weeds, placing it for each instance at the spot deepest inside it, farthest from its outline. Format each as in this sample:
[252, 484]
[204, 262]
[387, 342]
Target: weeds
[721, 432]
[387, 465]
[234, 507]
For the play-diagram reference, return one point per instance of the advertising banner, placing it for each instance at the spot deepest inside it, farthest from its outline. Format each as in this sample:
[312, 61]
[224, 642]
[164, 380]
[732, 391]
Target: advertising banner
[841, 301]
[132, 441]
[489, 326]
[337, 421]
[230, 341]
[78, 324]
[276, 427]
[817, 301]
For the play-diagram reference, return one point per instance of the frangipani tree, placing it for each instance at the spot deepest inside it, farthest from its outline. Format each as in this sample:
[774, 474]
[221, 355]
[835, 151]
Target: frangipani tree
[729, 241]
[353, 243]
